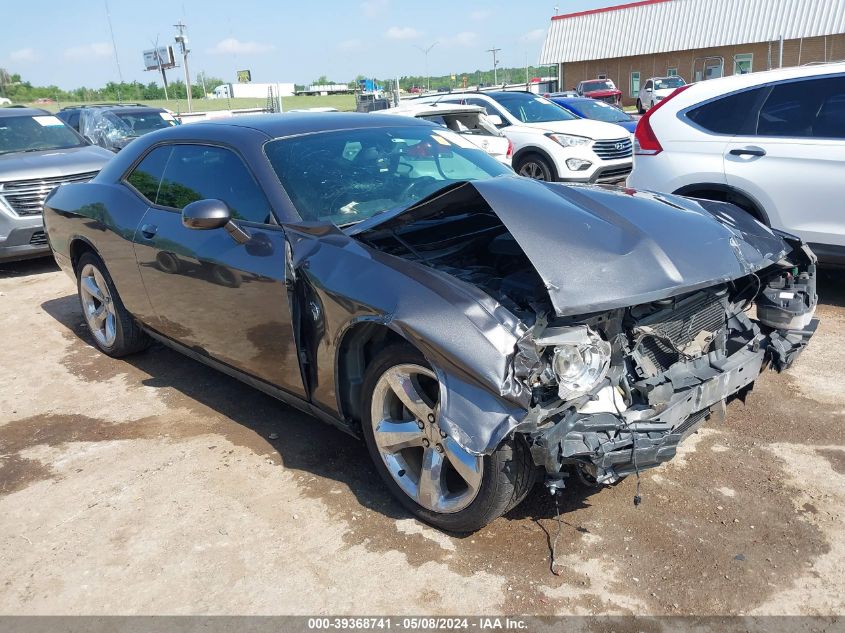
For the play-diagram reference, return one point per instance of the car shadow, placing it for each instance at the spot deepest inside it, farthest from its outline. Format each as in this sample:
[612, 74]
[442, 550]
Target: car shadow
[831, 287]
[304, 443]
[27, 267]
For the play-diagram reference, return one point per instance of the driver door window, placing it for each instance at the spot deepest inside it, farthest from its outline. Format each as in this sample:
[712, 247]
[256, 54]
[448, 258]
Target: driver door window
[200, 172]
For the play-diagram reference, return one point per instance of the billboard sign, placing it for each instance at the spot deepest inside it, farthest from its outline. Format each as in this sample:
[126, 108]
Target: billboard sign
[244, 76]
[163, 54]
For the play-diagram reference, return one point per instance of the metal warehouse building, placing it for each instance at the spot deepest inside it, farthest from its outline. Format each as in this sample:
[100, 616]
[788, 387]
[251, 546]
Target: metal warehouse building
[696, 39]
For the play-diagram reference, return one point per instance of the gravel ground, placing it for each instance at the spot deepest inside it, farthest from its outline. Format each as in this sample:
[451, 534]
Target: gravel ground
[150, 485]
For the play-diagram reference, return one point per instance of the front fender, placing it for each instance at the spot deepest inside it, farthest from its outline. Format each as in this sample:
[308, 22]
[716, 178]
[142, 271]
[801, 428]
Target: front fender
[469, 339]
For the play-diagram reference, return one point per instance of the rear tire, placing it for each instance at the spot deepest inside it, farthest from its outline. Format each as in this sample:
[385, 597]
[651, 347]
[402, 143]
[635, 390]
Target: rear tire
[640, 108]
[114, 330]
[535, 167]
[471, 491]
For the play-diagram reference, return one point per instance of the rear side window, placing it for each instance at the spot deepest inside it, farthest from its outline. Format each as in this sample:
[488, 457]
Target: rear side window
[733, 114]
[200, 172]
[71, 118]
[146, 177]
[810, 108]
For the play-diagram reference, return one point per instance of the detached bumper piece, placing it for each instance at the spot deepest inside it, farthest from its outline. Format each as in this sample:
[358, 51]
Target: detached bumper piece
[609, 446]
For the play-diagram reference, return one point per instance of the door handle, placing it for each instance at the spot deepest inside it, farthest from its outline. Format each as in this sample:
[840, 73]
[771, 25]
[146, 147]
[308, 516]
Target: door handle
[748, 151]
[149, 231]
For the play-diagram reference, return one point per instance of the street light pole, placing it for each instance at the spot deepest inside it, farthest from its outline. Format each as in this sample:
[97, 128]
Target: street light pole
[495, 63]
[425, 52]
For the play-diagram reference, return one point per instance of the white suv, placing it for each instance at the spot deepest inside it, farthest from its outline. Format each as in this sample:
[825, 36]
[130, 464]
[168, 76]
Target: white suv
[772, 143]
[550, 143]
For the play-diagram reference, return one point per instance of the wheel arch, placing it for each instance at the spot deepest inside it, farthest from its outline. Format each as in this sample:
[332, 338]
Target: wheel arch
[725, 193]
[78, 247]
[542, 153]
[359, 343]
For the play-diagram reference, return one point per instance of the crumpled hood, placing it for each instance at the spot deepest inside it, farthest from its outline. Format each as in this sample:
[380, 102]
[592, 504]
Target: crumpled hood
[53, 163]
[600, 248]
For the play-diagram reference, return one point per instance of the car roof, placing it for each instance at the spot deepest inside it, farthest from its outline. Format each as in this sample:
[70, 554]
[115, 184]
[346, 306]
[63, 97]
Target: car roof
[292, 123]
[10, 112]
[113, 106]
[439, 107]
[737, 82]
[574, 100]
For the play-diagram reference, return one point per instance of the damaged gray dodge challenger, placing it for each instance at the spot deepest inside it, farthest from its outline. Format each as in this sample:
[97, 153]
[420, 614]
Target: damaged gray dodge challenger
[478, 329]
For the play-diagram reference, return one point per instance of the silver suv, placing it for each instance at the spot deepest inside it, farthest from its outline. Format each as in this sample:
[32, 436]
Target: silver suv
[38, 152]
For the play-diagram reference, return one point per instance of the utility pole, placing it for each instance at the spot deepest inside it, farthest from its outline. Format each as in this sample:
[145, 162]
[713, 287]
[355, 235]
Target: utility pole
[161, 68]
[495, 64]
[182, 41]
[425, 52]
[202, 79]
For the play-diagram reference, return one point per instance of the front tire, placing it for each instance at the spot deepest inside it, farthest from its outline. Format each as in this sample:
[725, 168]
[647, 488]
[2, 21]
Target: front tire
[114, 330]
[425, 469]
[535, 167]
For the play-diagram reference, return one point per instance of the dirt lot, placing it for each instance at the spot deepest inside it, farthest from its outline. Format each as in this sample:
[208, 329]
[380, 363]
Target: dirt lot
[150, 485]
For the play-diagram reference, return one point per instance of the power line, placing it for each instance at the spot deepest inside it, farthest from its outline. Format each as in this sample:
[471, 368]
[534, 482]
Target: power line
[114, 47]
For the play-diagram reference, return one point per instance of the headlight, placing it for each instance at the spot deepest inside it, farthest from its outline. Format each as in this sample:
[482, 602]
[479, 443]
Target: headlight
[576, 164]
[567, 140]
[580, 360]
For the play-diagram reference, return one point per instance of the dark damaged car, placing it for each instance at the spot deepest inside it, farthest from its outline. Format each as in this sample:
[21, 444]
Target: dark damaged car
[477, 329]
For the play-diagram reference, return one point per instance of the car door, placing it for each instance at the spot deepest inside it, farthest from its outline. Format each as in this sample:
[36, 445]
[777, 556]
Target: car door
[646, 97]
[791, 160]
[220, 298]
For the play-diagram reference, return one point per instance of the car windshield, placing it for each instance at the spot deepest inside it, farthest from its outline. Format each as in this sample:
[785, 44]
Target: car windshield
[346, 176]
[142, 121]
[33, 133]
[604, 84]
[668, 82]
[601, 111]
[532, 109]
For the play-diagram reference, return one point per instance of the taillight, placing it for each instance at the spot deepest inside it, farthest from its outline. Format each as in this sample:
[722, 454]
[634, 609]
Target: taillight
[510, 149]
[645, 140]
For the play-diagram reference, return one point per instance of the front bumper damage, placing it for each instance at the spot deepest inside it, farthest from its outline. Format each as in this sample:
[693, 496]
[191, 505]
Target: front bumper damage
[609, 446]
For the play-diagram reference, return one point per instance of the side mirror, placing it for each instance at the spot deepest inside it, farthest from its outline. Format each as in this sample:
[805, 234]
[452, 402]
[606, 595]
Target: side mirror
[496, 120]
[206, 214]
[212, 214]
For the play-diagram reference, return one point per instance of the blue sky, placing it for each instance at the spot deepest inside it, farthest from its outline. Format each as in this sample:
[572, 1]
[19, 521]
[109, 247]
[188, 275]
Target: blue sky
[68, 43]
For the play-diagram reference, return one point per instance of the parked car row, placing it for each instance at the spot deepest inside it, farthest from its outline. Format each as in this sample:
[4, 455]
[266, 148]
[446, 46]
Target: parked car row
[549, 142]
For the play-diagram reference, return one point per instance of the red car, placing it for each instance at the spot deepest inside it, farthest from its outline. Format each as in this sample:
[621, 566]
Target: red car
[601, 89]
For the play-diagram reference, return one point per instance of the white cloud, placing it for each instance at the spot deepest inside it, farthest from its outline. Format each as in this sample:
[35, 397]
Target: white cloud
[534, 36]
[86, 51]
[479, 15]
[23, 55]
[464, 39]
[402, 33]
[350, 46]
[374, 8]
[233, 46]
